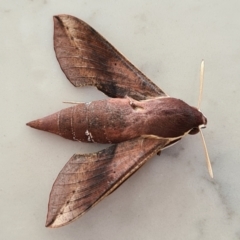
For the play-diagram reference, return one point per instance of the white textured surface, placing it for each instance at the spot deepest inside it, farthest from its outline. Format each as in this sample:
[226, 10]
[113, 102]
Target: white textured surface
[172, 196]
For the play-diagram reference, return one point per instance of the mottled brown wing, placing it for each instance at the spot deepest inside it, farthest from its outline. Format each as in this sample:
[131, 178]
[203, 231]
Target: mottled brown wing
[87, 58]
[88, 178]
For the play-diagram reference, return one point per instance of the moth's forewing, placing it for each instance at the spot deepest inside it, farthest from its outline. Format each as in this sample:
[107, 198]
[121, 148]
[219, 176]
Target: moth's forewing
[87, 58]
[88, 178]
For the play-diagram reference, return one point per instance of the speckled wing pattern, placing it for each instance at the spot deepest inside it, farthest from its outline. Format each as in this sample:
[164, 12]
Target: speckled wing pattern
[87, 58]
[88, 178]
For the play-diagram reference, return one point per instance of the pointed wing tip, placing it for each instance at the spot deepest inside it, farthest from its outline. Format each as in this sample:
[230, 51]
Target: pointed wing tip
[61, 16]
[52, 223]
[59, 219]
[57, 18]
[48, 225]
[58, 222]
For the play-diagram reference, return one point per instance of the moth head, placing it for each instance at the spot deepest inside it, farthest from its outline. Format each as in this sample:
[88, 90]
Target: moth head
[203, 124]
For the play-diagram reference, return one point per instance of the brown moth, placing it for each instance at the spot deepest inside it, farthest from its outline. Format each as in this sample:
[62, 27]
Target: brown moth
[139, 119]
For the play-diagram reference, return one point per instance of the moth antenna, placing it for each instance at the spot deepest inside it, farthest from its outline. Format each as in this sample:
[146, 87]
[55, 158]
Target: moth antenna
[209, 166]
[70, 102]
[201, 83]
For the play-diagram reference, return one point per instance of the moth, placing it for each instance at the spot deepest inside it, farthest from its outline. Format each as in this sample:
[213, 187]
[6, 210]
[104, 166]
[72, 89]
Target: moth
[139, 119]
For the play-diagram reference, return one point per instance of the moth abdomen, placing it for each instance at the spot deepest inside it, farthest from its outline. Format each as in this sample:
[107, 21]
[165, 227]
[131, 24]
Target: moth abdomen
[83, 122]
[63, 123]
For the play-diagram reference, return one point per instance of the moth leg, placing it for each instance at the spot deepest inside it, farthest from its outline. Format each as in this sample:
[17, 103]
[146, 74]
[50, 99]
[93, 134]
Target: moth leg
[71, 102]
[159, 153]
[136, 105]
